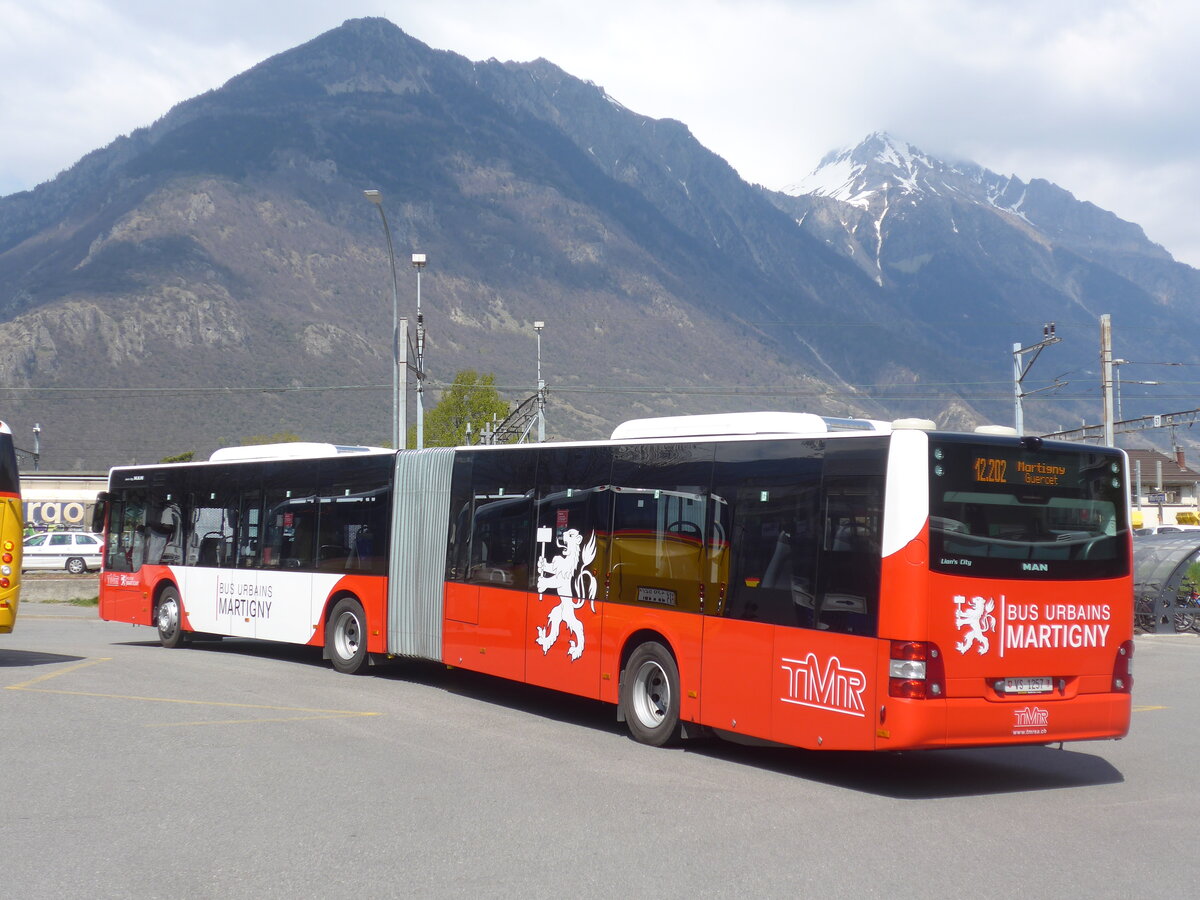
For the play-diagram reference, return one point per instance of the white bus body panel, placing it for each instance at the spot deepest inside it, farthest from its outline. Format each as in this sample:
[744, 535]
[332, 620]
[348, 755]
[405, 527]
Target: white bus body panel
[907, 504]
[273, 606]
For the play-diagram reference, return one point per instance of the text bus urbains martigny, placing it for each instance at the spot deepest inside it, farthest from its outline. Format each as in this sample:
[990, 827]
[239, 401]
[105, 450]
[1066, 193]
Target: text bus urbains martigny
[823, 583]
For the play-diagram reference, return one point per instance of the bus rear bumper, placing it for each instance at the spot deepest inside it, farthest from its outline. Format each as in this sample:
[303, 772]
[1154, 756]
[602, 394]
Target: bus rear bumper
[8, 616]
[966, 722]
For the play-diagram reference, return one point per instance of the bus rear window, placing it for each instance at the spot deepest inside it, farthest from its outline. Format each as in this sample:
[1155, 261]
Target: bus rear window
[1021, 510]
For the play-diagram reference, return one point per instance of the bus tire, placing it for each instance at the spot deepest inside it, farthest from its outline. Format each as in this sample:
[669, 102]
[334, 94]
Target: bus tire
[650, 695]
[168, 616]
[346, 637]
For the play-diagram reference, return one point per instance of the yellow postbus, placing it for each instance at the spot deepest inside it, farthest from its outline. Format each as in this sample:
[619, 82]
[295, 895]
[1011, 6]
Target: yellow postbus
[10, 531]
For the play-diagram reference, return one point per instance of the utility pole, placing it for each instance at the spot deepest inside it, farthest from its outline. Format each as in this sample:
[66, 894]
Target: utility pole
[1106, 373]
[1021, 369]
[418, 261]
[541, 385]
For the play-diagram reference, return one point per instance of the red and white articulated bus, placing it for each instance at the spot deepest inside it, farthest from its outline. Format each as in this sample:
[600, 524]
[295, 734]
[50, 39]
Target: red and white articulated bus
[821, 583]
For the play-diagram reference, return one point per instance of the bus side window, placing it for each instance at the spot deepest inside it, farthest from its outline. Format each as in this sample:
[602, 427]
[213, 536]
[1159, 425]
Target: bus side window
[163, 535]
[249, 538]
[500, 547]
[774, 548]
[496, 525]
[849, 568]
[210, 532]
[289, 529]
[767, 494]
[458, 537]
[660, 524]
[352, 526]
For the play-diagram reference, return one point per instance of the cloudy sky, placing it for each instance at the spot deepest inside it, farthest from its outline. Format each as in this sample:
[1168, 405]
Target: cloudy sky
[1098, 96]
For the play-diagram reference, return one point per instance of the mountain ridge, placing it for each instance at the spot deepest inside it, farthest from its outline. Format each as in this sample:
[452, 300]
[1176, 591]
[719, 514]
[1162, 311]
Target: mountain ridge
[218, 274]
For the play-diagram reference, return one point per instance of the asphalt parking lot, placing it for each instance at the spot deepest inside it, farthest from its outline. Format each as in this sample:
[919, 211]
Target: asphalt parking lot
[241, 769]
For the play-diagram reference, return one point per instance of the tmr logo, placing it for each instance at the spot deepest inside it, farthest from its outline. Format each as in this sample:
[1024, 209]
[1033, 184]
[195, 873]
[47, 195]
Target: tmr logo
[835, 687]
[1031, 720]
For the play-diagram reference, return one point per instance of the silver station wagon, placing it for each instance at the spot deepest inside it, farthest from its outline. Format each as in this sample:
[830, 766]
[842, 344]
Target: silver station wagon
[75, 551]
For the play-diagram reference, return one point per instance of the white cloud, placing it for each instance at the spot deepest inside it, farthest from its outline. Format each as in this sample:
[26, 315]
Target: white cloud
[1094, 95]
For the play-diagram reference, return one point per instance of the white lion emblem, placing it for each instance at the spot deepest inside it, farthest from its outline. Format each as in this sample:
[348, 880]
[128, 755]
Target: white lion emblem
[568, 575]
[977, 618]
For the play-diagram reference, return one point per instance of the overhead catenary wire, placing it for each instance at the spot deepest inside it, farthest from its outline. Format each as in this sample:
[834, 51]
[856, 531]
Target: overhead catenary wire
[968, 390]
[92, 391]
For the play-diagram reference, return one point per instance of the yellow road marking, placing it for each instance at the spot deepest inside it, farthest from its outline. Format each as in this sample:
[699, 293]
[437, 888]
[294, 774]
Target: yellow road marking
[313, 713]
[24, 685]
[343, 715]
[1147, 708]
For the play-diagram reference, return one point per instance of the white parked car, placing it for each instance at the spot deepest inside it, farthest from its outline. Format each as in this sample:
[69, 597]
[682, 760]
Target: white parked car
[75, 551]
[1165, 529]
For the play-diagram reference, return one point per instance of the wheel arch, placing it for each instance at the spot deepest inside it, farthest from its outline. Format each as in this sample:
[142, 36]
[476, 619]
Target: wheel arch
[641, 636]
[156, 596]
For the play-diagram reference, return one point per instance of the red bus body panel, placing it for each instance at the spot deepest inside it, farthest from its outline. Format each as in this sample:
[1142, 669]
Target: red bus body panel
[988, 630]
[495, 642]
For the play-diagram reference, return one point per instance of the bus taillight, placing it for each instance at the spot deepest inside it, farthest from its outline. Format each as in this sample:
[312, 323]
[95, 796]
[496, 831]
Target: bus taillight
[915, 671]
[1122, 682]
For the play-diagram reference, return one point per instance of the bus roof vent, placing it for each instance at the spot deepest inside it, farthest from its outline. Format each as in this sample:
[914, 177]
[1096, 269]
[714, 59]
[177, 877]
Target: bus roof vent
[914, 425]
[744, 423]
[834, 423]
[1004, 430]
[289, 450]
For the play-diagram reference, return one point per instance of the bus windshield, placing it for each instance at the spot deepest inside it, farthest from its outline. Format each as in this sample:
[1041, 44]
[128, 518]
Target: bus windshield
[10, 479]
[1009, 510]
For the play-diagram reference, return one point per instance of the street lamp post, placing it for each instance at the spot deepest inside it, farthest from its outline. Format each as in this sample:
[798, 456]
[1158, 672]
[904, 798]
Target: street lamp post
[418, 261]
[398, 405]
[37, 446]
[541, 385]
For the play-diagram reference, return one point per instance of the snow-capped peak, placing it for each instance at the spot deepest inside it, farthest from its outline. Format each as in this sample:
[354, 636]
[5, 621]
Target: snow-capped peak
[881, 167]
[856, 174]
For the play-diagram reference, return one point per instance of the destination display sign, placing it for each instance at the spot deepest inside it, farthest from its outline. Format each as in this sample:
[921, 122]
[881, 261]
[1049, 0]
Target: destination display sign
[998, 470]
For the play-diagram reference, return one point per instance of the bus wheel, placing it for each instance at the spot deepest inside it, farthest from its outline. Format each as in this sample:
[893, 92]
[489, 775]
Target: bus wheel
[650, 695]
[169, 618]
[346, 637]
